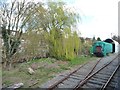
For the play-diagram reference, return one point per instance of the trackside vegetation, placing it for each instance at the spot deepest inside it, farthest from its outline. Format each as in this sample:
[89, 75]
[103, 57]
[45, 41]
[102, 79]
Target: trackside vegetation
[45, 69]
[42, 36]
[46, 30]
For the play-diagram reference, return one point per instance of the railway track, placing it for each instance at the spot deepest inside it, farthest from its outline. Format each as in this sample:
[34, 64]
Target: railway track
[89, 75]
[100, 78]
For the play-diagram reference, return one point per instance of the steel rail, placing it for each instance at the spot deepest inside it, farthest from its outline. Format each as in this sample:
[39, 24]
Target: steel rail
[110, 78]
[60, 81]
[93, 68]
[86, 79]
[89, 72]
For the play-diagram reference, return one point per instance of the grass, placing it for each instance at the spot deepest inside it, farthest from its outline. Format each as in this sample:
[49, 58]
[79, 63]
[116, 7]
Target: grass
[45, 69]
[49, 60]
[80, 60]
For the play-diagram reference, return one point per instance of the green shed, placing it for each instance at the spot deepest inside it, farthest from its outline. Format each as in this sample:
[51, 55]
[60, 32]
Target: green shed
[101, 48]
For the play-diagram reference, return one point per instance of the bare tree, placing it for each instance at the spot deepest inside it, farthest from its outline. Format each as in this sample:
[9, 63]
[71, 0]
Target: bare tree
[14, 17]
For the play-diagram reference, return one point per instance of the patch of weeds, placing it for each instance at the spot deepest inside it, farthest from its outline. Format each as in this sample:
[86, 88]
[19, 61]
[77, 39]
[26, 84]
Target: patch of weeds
[48, 60]
[51, 71]
[41, 73]
[7, 83]
[80, 60]
[56, 70]
[10, 73]
[64, 67]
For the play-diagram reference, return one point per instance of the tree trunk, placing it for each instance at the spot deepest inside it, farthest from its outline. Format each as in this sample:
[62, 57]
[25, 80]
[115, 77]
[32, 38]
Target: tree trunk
[7, 64]
[4, 64]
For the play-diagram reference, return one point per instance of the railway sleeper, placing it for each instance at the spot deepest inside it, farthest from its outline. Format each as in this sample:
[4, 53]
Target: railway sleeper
[74, 77]
[88, 67]
[112, 65]
[95, 82]
[102, 78]
[114, 81]
[118, 74]
[51, 82]
[109, 88]
[85, 86]
[111, 85]
[63, 86]
[102, 75]
[108, 72]
[115, 78]
[68, 84]
[117, 85]
[82, 74]
[82, 71]
[91, 85]
[72, 80]
[99, 79]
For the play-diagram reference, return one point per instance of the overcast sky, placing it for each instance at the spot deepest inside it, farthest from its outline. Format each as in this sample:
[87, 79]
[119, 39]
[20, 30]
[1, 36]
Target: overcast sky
[99, 17]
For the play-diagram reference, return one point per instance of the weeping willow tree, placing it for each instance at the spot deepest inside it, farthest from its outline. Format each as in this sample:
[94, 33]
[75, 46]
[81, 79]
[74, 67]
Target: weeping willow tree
[57, 21]
[66, 46]
[63, 42]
